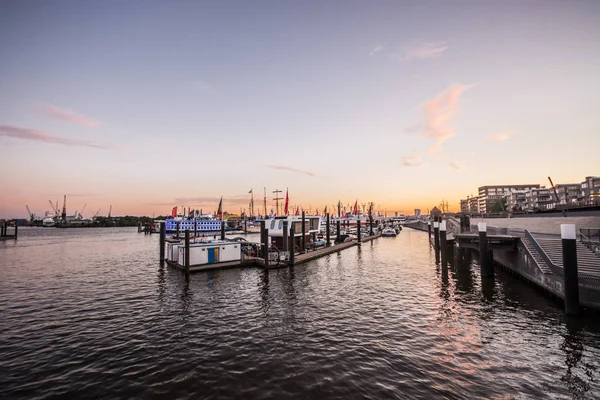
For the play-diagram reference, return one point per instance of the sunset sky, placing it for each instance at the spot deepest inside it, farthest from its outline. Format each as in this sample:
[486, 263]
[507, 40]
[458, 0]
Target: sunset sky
[146, 105]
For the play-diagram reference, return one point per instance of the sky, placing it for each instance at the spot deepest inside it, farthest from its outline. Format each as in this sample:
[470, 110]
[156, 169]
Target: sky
[145, 105]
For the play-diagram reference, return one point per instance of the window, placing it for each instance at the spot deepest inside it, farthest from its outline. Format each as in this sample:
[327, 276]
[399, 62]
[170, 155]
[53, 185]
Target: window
[280, 224]
[272, 224]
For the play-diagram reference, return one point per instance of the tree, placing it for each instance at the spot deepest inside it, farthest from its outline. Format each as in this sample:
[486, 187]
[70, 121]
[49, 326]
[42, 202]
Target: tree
[499, 206]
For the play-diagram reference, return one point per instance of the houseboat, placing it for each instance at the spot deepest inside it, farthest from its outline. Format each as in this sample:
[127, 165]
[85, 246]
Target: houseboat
[312, 227]
[203, 253]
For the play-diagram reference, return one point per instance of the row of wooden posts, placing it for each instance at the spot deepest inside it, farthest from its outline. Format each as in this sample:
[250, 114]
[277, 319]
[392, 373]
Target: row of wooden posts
[288, 239]
[4, 231]
[486, 257]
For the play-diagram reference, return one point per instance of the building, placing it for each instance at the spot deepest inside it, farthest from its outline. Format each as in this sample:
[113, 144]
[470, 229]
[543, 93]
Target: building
[474, 205]
[569, 193]
[590, 190]
[541, 199]
[517, 200]
[490, 196]
[464, 206]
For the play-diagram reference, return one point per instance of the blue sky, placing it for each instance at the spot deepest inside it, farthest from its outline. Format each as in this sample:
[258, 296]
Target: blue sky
[145, 105]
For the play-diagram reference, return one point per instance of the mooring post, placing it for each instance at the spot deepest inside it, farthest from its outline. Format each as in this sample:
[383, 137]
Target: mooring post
[285, 235]
[195, 227]
[443, 245]
[303, 232]
[371, 225]
[568, 237]
[327, 234]
[187, 251]
[292, 243]
[177, 228]
[162, 241]
[222, 230]
[16, 231]
[429, 230]
[487, 267]
[245, 224]
[264, 242]
[436, 237]
[358, 230]
[337, 239]
[139, 226]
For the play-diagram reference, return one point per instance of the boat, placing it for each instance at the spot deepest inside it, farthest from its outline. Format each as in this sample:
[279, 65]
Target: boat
[312, 227]
[203, 253]
[389, 232]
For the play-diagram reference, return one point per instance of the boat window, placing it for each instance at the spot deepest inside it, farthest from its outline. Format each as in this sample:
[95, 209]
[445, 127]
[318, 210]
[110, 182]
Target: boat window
[273, 224]
[280, 224]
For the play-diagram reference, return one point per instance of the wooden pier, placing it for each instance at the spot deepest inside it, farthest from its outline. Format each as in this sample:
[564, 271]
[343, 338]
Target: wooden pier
[4, 235]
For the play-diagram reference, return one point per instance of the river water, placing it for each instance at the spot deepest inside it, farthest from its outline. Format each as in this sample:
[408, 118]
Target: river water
[88, 313]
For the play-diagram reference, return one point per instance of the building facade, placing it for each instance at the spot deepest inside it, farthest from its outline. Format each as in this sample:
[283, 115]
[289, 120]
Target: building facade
[491, 196]
[590, 190]
[541, 199]
[569, 193]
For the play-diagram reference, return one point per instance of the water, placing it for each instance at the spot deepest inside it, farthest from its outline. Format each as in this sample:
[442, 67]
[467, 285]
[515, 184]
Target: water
[89, 313]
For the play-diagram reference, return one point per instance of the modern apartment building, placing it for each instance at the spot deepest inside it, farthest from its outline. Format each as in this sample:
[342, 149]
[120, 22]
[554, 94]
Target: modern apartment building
[569, 193]
[517, 200]
[491, 195]
[590, 190]
[541, 199]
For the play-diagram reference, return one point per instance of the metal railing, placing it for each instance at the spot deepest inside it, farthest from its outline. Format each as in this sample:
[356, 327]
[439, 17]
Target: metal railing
[553, 267]
[590, 244]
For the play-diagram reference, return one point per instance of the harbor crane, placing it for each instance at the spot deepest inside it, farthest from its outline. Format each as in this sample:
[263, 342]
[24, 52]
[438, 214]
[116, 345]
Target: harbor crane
[31, 215]
[54, 208]
[82, 210]
[97, 212]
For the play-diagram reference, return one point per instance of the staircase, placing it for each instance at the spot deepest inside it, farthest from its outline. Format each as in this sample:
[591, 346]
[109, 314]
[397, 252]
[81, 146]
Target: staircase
[539, 260]
[587, 262]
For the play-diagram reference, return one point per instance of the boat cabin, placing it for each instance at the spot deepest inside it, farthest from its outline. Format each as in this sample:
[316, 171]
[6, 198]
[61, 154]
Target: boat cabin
[312, 226]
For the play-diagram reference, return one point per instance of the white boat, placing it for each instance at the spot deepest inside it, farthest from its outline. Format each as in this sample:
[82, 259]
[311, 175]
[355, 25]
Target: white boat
[390, 232]
[312, 227]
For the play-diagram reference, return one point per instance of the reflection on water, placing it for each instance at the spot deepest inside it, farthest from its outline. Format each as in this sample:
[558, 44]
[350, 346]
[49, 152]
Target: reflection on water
[103, 318]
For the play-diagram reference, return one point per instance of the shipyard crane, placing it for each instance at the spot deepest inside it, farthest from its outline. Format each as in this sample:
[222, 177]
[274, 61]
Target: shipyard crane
[97, 212]
[55, 209]
[82, 210]
[31, 215]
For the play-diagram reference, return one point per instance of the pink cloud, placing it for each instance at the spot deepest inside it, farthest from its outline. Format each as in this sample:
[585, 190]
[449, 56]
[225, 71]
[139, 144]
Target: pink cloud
[496, 137]
[456, 165]
[439, 114]
[412, 161]
[284, 168]
[65, 115]
[423, 50]
[40, 136]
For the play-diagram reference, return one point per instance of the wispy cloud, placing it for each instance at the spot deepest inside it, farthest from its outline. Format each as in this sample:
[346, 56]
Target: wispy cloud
[40, 136]
[439, 113]
[456, 165]
[64, 115]
[422, 50]
[202, 86]
[284, 168]
[412, 161]
[500, 136]
[376, 49]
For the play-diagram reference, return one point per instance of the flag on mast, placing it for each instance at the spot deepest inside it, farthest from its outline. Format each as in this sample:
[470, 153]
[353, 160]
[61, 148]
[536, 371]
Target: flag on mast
[174, 212]
[355, 212]
[287, 200]
[220, 210]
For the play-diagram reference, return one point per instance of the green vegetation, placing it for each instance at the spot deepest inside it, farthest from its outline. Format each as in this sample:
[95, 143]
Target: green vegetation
[127, 220]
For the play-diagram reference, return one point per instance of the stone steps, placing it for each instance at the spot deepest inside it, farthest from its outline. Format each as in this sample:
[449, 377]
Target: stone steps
[587, 262]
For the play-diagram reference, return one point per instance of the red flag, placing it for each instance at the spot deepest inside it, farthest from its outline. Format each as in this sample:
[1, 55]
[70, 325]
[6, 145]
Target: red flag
[297, 210]
[355, 208]
[287, 200]
[174, 212]
[220, 210]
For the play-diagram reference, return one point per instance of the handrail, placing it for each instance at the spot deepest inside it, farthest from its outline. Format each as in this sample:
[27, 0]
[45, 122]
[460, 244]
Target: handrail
[555, 268]
[589, 244]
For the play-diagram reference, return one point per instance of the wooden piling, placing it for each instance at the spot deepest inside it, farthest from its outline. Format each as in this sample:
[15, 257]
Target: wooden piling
[285, 235]
[443, 245]
[568, 237]
[195, 227]
[358, 231]
[337, 240]
[436, 239]
[177, 229]
[16, 231]
[222, 230]
[487, 267]
[429, 230]
[327, 233]
[264, 242]
[303, 232]
[292, 243]
[371, 225]
[139, 226]
[163, 235]
[187, 251]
